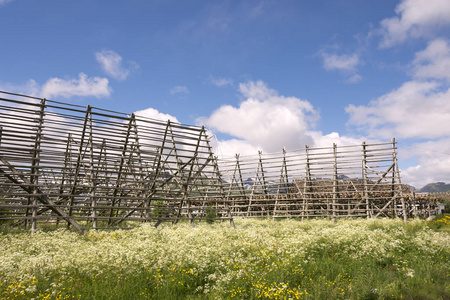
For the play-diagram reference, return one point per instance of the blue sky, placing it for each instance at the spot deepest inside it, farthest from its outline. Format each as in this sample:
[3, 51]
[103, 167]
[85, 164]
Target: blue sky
[259, 75]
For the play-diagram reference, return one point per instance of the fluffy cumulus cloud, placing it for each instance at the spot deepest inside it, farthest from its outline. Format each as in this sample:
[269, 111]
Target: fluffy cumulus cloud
[265, 118]
[415, 18]
[30, 88]
[268, 122]
[181, 89]
[83, 86]
[156, 115]
[417, 109]
[327, 140]
[228, 148]
[56, 87]
[433, 162]
[347, 64]
[434, 61]
[111, 63]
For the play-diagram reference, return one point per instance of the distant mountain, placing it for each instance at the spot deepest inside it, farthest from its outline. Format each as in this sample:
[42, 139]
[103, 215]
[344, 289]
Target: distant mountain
[412, 188]
[437, 187]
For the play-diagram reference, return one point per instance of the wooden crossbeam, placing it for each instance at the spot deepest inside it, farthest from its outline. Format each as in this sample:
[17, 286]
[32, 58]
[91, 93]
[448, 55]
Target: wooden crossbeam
[44, 199]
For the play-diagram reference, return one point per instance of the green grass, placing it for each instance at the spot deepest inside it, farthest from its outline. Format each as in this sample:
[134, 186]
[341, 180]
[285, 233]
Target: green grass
[287, 259]
[440, 223]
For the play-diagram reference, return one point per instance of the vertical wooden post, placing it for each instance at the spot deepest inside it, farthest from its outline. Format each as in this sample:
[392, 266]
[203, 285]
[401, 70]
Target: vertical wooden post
[307, 185]
[284, 180]
[234, 180]
[399, 183]
[240, 184]
[365, 183]
[262, 173]
[335, 182]
[219, 178]
[102, 168]
[140, 176]
[92, 177]
[65, 170]
[257, 176]
[157, 169]
[181, 182]
[263, 182]
[393, 189]
[241, 181]
[120, 172]
[249, 207]
[34, 178]
[186, 186]
[78, 165]
[230, 212]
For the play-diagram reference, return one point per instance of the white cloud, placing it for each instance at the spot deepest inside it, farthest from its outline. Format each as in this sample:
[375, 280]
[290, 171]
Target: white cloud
[265, 119]
[30, 88]
[434, 61]
[83, 86]
[156, 115]
[433, 162]
[418, 109]
[323, 141]
[221, 81]
[228, 148]
[347, 64]
[179, 90]
[2, 2]
[268, 122]
[415, 110]
[415, 18]
[111, 64]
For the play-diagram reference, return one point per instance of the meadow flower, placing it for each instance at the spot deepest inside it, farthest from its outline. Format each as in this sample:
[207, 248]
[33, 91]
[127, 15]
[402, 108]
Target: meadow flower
[216, 259]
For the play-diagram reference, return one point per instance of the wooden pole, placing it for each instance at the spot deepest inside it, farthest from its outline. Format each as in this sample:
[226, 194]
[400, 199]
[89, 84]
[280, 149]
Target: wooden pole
[307, 185]
[92, 177]
[34, 177]
[72, 191]
[335, 182]
[120, 172]
[217, 174]
[283, 181]
[364, 169]
[399, 182]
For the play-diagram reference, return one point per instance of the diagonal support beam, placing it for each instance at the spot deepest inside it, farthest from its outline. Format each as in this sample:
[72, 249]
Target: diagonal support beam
[28, 187]
[382, 176]
[152, 191]
[386, 205]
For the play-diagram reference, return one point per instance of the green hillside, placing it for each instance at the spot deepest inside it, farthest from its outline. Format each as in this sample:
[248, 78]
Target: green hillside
[438, 187]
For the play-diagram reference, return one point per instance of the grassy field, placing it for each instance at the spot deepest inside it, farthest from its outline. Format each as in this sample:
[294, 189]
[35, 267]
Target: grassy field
[286, 259]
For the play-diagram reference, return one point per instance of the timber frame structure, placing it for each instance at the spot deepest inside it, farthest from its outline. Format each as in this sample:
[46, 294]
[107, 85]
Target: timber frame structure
[94, 168]
[333, 182]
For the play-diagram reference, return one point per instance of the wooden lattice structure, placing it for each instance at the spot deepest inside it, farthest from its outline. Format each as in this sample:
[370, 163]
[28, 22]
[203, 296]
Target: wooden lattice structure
[94, 168]
[349, 181]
